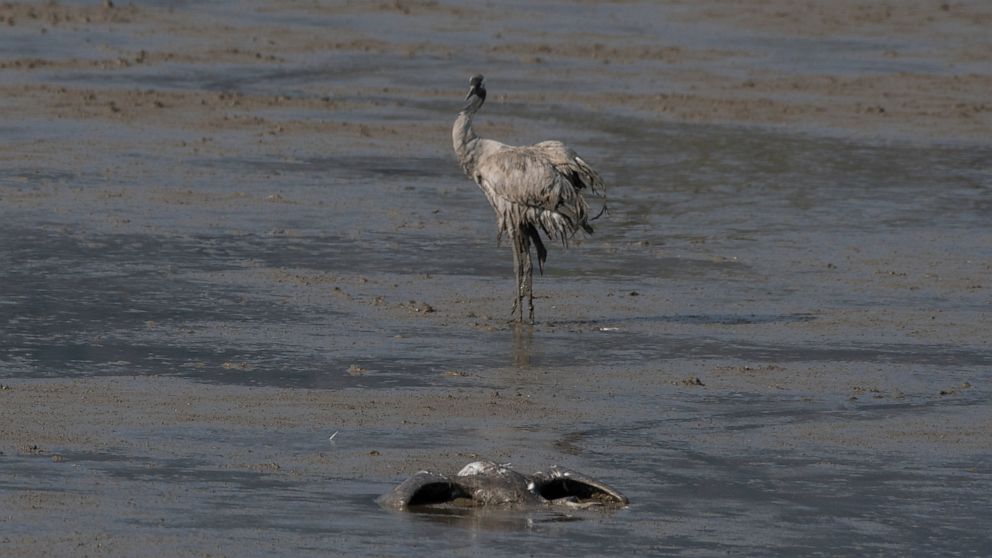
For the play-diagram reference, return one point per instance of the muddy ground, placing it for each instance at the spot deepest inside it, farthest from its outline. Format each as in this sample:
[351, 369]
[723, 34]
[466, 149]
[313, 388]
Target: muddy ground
[246, 288]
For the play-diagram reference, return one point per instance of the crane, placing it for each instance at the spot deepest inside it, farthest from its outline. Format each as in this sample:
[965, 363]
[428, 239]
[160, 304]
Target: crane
[531, 188]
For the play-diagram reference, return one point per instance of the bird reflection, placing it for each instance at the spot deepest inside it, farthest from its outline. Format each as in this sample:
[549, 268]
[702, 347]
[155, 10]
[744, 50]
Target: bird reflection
[523, 345]
[482, 519]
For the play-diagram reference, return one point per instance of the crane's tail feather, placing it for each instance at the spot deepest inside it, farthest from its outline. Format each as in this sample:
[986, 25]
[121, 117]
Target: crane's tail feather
[590, 177]
[602, 210]
[542, 252]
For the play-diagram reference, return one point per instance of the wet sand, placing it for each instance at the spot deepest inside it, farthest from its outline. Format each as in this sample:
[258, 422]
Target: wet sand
[230, 231]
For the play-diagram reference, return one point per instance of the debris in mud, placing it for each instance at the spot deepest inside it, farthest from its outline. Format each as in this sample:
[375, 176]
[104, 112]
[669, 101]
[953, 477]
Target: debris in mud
[420, 307]
[953, 390]
[425, 308]
[750, 370]
[4, 387]
[874, 391]
[692, 381]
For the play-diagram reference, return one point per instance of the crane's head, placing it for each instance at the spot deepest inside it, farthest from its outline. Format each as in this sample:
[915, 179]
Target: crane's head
[476, 87]
[476, 94]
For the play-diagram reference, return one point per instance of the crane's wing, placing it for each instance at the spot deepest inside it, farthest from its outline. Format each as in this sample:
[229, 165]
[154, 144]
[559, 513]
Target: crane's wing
[539, 186]
[559, 482]
[570, 165]
[423, 488]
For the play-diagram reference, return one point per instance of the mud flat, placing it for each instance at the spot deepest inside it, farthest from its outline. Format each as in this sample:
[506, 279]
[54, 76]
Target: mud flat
[244, 288]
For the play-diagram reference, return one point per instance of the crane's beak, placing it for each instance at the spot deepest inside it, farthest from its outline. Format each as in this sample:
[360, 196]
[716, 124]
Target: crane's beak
[475, 88]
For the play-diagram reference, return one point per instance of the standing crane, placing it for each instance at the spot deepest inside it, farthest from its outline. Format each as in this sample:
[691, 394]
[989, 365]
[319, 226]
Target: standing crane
[531, 188]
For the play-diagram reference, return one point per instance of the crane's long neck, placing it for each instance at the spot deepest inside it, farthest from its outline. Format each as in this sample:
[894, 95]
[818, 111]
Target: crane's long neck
[464, 139]
[463, 136]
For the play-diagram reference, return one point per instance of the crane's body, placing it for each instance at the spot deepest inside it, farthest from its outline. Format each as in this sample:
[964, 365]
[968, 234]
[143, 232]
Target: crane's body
[531, 188]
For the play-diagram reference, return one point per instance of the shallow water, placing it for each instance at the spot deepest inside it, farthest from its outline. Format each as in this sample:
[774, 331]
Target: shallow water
[284, 265]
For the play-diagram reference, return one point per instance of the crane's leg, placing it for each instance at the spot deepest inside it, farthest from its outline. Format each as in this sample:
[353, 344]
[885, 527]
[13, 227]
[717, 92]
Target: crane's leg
[518, 271]
[528, 281]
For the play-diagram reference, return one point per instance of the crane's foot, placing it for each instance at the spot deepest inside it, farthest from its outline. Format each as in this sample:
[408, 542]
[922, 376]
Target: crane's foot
[517, 315]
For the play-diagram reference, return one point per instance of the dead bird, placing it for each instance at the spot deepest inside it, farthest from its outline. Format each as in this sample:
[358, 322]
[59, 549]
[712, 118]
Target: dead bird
[484, 483]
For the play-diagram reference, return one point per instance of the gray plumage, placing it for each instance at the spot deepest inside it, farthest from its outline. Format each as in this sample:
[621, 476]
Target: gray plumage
[531, 188]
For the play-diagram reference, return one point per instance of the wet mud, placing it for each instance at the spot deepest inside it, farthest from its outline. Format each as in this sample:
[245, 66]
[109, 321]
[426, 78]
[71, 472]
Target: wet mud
[245, 288]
